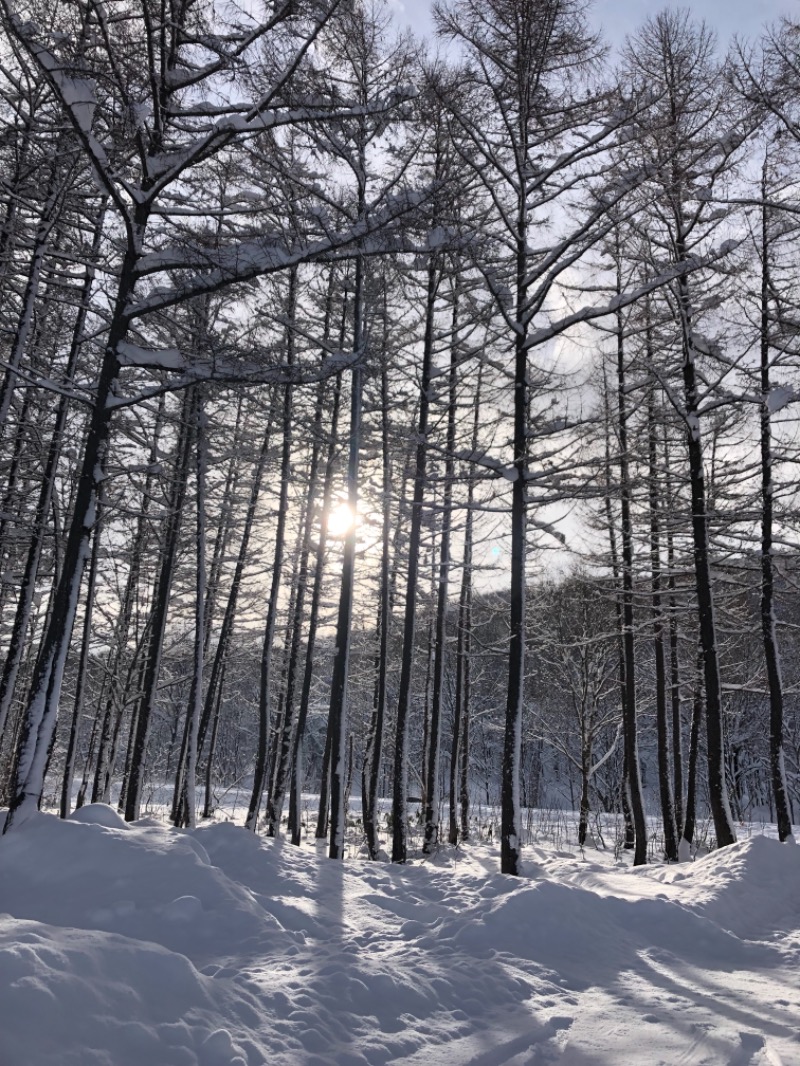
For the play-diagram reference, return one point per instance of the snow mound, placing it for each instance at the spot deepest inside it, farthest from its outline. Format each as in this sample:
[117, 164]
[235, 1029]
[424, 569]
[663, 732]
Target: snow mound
[82, 998]
[554, 924]
[99, 814]
[134, 882]
[141, 945]
[727, 883]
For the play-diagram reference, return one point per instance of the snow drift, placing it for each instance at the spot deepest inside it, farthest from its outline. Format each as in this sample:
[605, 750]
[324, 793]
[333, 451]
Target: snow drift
[146, 946]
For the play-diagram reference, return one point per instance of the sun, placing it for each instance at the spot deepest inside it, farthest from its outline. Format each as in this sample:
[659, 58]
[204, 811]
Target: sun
[340, 520]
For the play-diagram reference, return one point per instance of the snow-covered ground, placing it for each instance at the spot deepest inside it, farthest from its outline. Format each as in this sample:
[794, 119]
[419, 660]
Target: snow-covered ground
[146, 946]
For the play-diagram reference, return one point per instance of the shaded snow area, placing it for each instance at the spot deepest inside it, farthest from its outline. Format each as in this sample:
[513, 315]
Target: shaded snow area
[147, 946]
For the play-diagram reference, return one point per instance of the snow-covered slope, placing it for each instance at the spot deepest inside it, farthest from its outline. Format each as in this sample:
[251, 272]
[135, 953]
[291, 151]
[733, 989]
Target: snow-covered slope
[145, 946]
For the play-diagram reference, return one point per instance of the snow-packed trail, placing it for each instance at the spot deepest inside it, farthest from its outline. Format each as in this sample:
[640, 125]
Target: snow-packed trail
[146, 946]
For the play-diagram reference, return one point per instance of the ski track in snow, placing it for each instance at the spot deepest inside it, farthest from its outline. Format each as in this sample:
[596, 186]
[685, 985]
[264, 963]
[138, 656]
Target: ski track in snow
[146, 946]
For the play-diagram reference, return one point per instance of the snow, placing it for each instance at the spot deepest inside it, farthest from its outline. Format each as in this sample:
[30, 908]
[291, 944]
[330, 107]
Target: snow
[163, 358]
[778, 398]
[129, 944]
[79, 96]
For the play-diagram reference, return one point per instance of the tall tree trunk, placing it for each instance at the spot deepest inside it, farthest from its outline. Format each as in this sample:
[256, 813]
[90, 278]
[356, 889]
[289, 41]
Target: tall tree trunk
[629, 652]
[298, 754]
[674, 664]
[442, 597]
[42, 711]
[225, 524]
[717, 785]
[687, 838]
[768, 624]
[285, 738]
[212, 746]
[374, 745]
[400, 777]
[265, 686]
[460, 752]
[662, 730]
[160, 610]
[323, 812]
[119, 675]
[211, 702]
[185, 801]
[429, 659]
[583, 816]
[279, 718]
[510, 828]
[337, 715]
[83, 667]
[46, 489]
[627, 814]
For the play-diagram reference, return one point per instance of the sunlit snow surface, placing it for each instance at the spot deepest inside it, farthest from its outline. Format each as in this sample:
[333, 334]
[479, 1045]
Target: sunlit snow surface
[146, 946]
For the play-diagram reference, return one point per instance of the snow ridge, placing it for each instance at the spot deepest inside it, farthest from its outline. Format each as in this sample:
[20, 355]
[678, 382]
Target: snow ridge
[145, 944]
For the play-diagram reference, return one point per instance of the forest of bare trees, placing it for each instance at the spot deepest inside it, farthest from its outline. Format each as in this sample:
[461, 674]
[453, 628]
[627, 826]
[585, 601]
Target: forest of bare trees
[407, 419]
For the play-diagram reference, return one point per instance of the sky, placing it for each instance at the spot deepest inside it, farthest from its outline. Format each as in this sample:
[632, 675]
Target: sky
[619, 17]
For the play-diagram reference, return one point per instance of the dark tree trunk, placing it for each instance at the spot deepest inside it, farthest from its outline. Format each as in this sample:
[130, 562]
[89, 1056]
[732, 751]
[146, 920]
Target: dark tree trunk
[208, 804]
[185, 800]
[212, 702]
[459, 754]
[83, 667]
[717, 786]
[442, 596]
[280, 718]
[118, 675]
[400, 777]
[694, 750]
[510, 829]
[583, 816]
[374, 746]
[41, 714]
[627, 815]
[323, 812]
[158, 622]
[768, 623]
[662, 729]
[337, 717]
[265, 687]
[44, 501]
[298, 754]
[285, 737]
[426, 702]
[674, 668]
[634, 784]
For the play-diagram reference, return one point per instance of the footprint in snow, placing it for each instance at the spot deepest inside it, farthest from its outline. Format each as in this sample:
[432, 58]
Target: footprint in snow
[754, 1052]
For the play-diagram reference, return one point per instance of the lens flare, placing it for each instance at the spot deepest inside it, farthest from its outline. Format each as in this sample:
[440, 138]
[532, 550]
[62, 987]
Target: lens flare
[340, 520]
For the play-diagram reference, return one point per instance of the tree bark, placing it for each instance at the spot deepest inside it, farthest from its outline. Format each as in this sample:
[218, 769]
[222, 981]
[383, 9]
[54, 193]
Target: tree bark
[298, 754]
[265, 687]
[768, 622]
[717, 786]
[628, 645]
[160, 610]
[83, 666]
[337, 714]
[374, 746]
[442, 595]
[400, 776]
[662, 730]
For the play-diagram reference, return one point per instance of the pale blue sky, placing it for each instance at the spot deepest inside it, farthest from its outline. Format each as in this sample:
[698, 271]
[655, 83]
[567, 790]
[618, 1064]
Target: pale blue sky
[619, 17]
